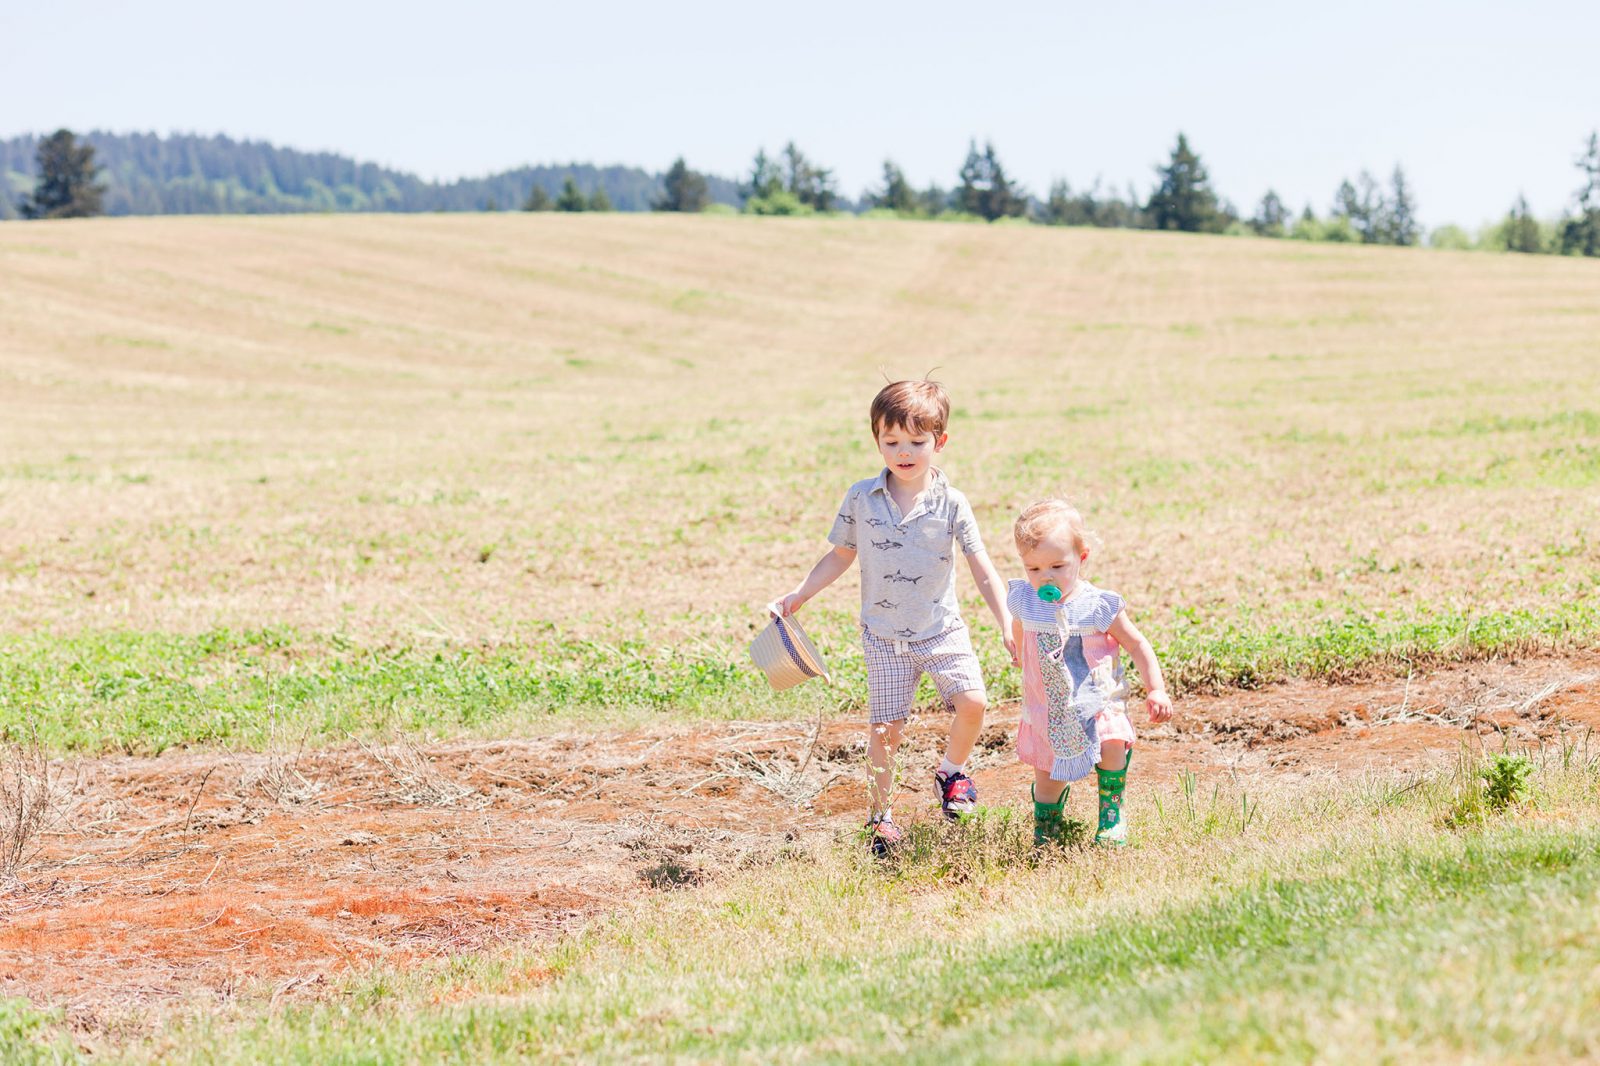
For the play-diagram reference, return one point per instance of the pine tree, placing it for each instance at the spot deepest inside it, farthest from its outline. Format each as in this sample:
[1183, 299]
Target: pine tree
[538, 199]
[66, 187]
[685, 190]
[1270, 217]
[897, 194]
[765, 178]
[571, 199]
[985, 190]
[600, 200]
[1183, 198]
[811, 185]
[1581, 235]
[1401, 217]
[1521, 229]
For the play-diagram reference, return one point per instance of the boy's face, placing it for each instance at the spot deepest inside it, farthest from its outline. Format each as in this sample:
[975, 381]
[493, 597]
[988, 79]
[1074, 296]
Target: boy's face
[908, 455]
[1055, 560]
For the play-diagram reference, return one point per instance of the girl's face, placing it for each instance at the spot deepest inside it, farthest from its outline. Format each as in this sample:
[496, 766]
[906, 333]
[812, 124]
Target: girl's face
[1055, 560]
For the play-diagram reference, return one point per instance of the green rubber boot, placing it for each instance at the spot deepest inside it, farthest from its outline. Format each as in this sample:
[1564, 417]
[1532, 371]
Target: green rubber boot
[1113, 831]
[1049, 819]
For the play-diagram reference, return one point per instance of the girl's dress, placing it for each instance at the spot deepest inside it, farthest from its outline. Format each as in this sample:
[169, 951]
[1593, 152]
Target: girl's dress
[1073, 691]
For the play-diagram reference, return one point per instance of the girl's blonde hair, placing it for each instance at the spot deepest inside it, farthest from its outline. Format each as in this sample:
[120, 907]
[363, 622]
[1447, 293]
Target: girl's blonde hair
[1038, 520]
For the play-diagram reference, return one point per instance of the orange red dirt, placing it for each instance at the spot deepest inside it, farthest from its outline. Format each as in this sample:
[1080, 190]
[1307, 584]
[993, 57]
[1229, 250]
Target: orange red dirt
[193, 873]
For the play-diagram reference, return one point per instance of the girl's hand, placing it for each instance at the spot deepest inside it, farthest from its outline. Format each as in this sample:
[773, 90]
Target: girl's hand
[1159, 705]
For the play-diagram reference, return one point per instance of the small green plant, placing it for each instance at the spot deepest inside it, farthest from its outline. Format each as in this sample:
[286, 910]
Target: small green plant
[1505, 780]
[1488, 787]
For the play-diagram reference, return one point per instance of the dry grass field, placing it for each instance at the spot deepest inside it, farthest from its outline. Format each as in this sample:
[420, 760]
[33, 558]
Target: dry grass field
[608, 440]
[373, 587]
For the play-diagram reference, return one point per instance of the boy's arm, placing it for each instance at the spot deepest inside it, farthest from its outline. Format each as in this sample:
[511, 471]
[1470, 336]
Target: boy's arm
[1156, 700]
[825, 573]
[993, 590]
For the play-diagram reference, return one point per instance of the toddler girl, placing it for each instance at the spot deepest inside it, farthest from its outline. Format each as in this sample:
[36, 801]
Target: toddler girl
[1069, 637]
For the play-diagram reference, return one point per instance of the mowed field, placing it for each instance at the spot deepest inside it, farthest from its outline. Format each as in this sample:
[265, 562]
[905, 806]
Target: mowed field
[551, 465]
[375, 593]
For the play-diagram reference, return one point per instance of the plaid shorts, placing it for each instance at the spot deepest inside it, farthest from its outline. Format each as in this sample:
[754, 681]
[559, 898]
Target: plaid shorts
[895, 666]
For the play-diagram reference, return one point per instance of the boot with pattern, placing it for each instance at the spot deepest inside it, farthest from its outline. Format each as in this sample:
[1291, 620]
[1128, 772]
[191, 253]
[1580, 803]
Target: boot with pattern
[1113, 831]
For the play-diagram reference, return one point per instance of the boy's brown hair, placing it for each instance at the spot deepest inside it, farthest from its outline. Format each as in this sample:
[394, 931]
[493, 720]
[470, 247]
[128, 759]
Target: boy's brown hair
[916, 406]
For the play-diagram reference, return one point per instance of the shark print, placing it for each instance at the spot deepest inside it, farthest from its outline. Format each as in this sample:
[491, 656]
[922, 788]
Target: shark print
[876, 522]
[905, 634]
[887, 545]
[898, 576]
[847, 519]
[886, 605]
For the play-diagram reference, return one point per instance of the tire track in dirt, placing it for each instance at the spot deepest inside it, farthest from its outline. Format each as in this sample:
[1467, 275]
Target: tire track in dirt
[196, 874]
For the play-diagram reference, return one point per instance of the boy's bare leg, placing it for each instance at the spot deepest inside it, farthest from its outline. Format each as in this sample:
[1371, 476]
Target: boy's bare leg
[967, 724]
[883, 740]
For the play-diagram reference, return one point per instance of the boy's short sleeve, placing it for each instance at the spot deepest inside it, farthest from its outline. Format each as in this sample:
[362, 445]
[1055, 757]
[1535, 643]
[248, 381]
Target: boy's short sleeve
[967, 528]
[843, 532]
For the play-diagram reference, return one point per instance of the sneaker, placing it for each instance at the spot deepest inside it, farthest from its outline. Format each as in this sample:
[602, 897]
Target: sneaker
[957, 794]
[883, 836]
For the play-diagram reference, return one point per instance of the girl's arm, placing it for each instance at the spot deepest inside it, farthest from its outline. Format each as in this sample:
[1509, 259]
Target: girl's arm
[994, 594]
[1156, 700]
[825, 573]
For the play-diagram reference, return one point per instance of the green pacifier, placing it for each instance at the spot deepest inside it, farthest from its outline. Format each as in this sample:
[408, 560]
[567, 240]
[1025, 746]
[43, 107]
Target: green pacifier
[1049, 593]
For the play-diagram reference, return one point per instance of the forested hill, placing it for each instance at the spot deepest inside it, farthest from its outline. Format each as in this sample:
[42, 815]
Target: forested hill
[146, 174]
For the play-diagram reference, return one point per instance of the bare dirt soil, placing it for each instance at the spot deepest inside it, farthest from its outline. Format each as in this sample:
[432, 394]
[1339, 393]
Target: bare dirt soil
[195, 873]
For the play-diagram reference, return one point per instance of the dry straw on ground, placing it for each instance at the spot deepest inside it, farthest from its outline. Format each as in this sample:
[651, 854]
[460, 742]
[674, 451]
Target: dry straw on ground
[445, 430]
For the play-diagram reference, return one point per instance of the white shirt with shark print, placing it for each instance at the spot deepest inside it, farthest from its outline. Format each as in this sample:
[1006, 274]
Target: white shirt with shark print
[908, 588]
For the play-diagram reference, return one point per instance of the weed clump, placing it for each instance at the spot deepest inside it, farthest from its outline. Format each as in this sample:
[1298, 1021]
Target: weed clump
[1486, 788]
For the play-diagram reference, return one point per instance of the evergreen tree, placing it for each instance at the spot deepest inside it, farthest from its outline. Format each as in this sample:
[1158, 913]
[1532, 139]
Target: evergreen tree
[811, 185]
[685, 190]
[1363, 209]
[599, 201]
[1270, 217]
[1581, 235]
[66, 187]
[538, 200]
[765, 178]
[1183, 198]
[985, 190]
[933, 201]
[1400, 222]
[1520, 230]
[571, 199]
[897, 194]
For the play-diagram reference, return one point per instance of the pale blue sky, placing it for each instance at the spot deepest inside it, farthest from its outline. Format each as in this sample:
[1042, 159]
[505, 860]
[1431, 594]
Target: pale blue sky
[1477, 100]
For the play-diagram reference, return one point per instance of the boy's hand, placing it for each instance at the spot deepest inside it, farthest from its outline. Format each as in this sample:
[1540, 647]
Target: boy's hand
[1159, 704]
[790, 604]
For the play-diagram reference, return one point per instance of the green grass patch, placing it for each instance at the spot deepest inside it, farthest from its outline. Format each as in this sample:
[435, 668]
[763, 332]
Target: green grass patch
[142, 692]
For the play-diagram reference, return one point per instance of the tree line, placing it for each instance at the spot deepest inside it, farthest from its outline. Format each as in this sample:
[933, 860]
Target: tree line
[146, 174]
[68, 182]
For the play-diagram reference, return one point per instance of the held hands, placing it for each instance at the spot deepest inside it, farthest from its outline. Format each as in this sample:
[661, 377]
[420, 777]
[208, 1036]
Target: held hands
[1011, 650]
[1159, 705]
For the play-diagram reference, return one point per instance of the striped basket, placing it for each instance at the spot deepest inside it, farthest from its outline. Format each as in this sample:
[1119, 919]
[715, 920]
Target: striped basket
[786, 654]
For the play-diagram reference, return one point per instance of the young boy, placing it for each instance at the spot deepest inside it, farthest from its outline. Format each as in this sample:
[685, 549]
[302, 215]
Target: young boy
[903, 525]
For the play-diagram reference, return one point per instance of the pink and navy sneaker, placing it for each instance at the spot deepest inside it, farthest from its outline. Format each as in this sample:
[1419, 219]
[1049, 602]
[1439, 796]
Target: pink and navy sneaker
[957, 794]
[882, 835]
